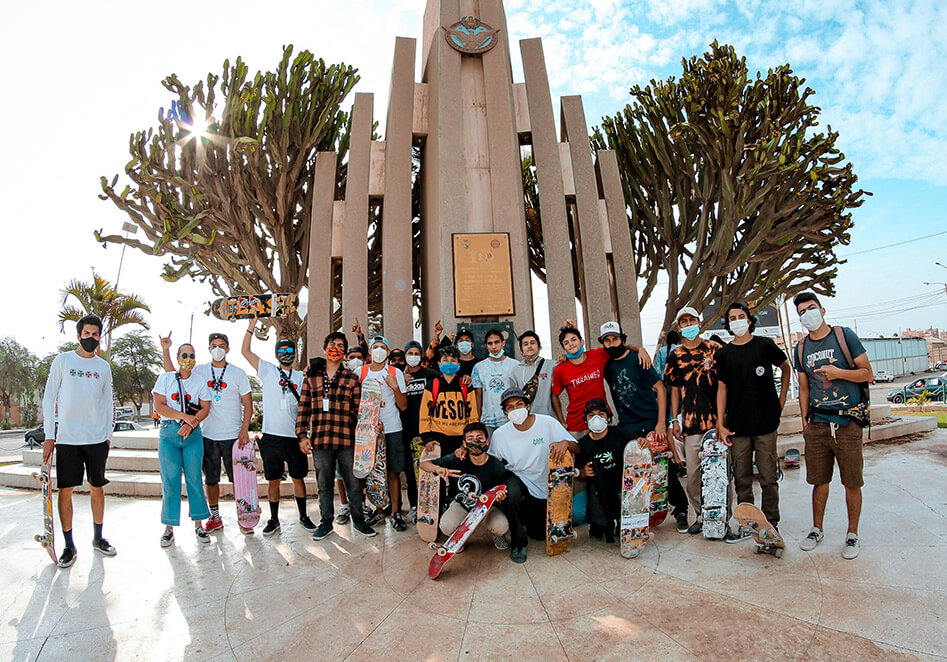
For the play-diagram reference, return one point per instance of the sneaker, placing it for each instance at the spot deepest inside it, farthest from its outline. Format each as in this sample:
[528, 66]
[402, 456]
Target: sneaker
[272, 526]
[374, 518]
[213, 523]
[201, 534]
[246, 532]
[739, 535]
[397, 522]
[851, 548]
[501, 542]
[306, 523]
[325, 528]
[167, 537]
[808, 543]
[103, 547]
[344, 514]
[518, 554]
[413, 515]
[364, 528]
[68, 557]
[367, 510]
[695, 528]
[681, 522]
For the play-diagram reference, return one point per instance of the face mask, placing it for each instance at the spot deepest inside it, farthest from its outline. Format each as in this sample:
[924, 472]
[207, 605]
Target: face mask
[465, 346]
[616, 352]
[476, 447]
[379, 354]
[811, 319]
[577, 354]
[597, 424]
[89, 344]
[497, 355]
[187, 364]
[518, 416]
[334, 353]
[354, 364]
[449, 368]
[739, 328]
[413, 360]
[218, 353]
[691, 332]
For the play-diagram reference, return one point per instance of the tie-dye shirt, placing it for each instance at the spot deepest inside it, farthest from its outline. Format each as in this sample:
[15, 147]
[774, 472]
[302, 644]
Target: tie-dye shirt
[694, 371]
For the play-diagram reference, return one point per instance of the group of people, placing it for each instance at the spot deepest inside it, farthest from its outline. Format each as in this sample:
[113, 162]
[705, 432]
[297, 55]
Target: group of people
[495, 420]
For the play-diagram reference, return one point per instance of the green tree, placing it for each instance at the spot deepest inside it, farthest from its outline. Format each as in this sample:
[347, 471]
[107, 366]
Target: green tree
[730, 188]
[17, 368]
[136, 360]
[98, 297]
[223, 184]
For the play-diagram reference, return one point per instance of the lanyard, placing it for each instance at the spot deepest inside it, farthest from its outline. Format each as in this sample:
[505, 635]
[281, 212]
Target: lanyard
[217, 383]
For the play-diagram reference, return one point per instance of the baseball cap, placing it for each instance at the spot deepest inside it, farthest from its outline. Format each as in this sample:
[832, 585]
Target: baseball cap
[595, 404]
[218, 336]
[380, 338]
[609, 329]
[511, 393]
[397, 352]
[688, 310]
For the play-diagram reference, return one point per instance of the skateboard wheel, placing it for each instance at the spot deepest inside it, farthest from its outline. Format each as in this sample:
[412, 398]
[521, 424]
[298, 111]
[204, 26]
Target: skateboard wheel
[779, 553]
[482, 498]
[757, 550]
[441, 551]
[38, 538]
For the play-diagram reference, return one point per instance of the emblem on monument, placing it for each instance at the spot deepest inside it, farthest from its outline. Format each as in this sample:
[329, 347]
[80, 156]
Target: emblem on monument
[471, 36]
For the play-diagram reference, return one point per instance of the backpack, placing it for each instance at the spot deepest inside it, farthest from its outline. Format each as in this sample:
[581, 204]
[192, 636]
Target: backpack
[861, 412]
[436, 389]
[365, 368]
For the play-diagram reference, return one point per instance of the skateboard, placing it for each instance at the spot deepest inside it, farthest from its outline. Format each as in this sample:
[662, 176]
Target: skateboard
[417, 447]
[429, 497]
[245, 491]
[366, 433]
[660, 459]
[249, 306]
[791, 458]
[48, 538]
[635, 499]
[714, 482]
[460, 535]
[559, 533]
[376, 484]
[768, 540]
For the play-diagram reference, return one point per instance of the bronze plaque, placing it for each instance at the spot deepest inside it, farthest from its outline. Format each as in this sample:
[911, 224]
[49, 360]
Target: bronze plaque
[483, 274]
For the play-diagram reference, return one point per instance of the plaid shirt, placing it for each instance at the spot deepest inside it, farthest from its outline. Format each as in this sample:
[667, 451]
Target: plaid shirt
[333, 429]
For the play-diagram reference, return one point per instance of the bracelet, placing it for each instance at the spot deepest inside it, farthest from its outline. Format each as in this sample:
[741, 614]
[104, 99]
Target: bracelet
[249, 331]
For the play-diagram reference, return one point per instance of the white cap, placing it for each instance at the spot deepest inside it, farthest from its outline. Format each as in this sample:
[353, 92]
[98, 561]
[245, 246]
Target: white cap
[609, 328]
[688, 310]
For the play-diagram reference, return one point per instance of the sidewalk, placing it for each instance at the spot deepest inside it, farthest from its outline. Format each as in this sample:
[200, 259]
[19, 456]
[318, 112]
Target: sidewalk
[287, 597]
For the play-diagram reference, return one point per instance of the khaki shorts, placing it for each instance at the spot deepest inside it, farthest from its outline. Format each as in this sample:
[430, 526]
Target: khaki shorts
[823, 450]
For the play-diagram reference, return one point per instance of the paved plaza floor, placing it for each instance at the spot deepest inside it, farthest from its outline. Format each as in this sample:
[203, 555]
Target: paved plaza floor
[348, 597]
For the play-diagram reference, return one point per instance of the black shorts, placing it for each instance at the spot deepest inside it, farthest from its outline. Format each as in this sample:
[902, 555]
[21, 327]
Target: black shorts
[276, 451]
[214, 452]
[72, 460]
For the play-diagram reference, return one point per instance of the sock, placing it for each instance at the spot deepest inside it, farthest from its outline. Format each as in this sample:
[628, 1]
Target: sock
[274, 510]
[67, 536]
[96, 532]
[301, 505]
[215, 511]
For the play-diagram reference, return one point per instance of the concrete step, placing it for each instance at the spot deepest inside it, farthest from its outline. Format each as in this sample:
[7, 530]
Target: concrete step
[120, 459]
[136, 440]
[899, 427]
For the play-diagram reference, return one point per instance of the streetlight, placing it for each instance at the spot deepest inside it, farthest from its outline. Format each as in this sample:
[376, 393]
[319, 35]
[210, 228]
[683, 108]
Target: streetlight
[941, 265]
[190, 332]
[130, 229]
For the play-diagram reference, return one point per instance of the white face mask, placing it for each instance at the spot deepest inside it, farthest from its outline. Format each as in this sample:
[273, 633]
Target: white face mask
[218, 353]
[354, 364]
[811, 319]
[739, 327]
[518, 416]
[379, 354]
[412, 360]
[597, 424]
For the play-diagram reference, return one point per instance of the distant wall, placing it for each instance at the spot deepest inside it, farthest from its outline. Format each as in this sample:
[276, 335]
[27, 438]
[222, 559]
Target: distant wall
[897, 356]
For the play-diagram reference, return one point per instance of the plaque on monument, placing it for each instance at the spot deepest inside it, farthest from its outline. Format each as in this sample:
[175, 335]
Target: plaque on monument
[483, 274]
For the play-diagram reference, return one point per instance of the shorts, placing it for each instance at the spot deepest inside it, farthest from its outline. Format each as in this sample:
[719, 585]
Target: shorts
[823, 450]
[72, 460]
[214, 452]
[394, 446]
[277, 451]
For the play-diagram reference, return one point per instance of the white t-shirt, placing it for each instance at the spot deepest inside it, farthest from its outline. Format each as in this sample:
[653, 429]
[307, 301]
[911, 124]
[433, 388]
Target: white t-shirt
[542, 401]
[390, 414]
[194, 386]
[279, 403]
[82, 389]
[226, 414]
[493, 377]
[526, 453]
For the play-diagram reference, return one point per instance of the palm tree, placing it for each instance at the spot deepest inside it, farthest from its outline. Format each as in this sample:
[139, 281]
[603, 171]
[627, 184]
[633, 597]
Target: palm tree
[114, 308]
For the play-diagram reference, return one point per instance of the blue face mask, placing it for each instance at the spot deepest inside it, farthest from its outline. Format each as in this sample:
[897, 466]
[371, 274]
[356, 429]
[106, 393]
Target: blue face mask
[691, 332]
[449, 368]
[577, 354]
[465, 346]
[497, 355]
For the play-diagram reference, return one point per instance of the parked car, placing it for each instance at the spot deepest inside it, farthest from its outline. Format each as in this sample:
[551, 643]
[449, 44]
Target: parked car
[127, 426]
[34, 437]
[935, 386]
[884, 376]
[940, 365]
[124, 413]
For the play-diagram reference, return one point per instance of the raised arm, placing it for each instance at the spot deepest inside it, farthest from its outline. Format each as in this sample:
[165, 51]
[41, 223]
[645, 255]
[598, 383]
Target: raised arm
[248, 354]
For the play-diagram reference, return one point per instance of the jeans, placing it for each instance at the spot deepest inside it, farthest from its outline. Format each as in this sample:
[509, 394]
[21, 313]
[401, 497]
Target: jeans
[324, 461]
[763, 446]
[174, 456]
[526, 513]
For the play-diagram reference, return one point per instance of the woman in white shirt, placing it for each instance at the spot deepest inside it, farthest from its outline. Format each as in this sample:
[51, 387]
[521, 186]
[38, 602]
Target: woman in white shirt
[182, 401]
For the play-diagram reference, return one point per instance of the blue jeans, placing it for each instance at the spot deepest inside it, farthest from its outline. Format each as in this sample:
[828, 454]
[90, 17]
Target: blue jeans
[174, 455]
[325, 462]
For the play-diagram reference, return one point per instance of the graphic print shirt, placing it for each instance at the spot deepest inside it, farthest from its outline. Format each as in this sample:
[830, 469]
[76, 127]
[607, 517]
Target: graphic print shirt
[694, 371]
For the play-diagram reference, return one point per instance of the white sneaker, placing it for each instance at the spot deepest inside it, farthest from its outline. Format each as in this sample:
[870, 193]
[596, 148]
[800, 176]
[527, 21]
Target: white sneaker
[809, 543]
[851, 548]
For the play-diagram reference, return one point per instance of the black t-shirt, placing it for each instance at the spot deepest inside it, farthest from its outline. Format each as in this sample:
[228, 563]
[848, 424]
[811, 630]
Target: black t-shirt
[606, 455]
[752, 399]
[474, 478]
[415, 384]
[633, 392]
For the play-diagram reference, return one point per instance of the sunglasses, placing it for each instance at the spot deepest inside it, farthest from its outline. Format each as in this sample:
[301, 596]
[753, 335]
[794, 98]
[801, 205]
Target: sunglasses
[282, 351]
[185, 355]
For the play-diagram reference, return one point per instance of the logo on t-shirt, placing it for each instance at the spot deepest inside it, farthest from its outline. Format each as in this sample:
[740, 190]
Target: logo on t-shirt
[496, 384]
[88, 374]
[468, 489]
[537, 441]
[760, 371]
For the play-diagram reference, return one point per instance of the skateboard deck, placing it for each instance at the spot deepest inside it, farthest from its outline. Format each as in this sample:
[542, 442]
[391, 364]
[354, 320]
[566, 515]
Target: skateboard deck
[429, 497]
[249, 306]
[245, 491]
[366, 434]
[559, 533]
[417, 447]
[464, 530]
[660, 462]
[714, 483]
[376, 484]
[768, 540]
[635, 499]
[791, 458]
[48, 538]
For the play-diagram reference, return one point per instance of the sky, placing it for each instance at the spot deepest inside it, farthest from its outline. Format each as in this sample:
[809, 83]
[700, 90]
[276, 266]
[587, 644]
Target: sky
[81, 77]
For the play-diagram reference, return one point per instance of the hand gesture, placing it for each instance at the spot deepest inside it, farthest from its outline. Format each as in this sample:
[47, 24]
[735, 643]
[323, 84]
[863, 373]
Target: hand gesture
[391, 381]
[438, 329]
[571, 323]
[357, 328]
[447, 474]
[165, 342]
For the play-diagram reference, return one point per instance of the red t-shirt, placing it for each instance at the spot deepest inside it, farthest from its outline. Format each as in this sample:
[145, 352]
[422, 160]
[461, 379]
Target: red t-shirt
[582, 382]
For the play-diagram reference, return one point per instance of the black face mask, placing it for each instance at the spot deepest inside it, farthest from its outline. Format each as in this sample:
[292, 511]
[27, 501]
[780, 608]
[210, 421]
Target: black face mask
[89, 344]
[476, 448]
[616, 352]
